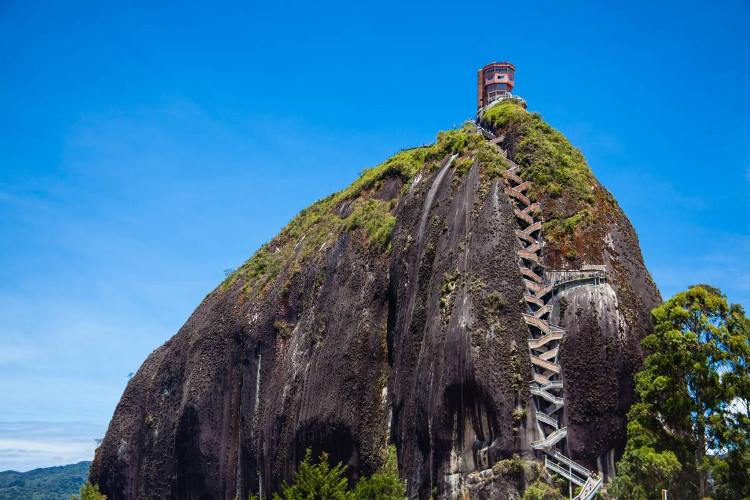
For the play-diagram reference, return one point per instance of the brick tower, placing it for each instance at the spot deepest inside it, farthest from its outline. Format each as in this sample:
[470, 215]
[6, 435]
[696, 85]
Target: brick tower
[494, 81]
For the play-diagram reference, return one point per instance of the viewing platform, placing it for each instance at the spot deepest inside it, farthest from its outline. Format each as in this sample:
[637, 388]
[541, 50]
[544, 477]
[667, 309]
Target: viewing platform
[560, 278]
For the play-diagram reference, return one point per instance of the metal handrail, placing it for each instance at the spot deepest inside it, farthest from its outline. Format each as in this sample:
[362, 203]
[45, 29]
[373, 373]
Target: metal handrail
[589, 275]
[555, 384]
[550, 440]
[565, 473]
[543, 417]
[573, 465]
[557, 401]
[540, 323]
[588, 495]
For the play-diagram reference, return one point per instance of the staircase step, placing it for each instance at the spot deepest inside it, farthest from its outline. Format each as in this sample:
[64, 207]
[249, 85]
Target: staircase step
[534, 247]
[548, 355]
[531, 274]
[523, 186]
[529, 256]
[545, 290]
[540, 323]
[551, 439]
[539, 342]
[525, 237]
[555, 400]
[564, 472]
[524, 216]
[553, 367]
[543, 417]
[553, 385]
[534, 206]
[588, 491]
[511, 175]
[546, 309]
[531, 285]
[518, 195]
[533, 300]
[567, 462]
[536, 226]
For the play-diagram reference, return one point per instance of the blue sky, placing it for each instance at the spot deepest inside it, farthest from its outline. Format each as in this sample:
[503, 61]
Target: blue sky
[146, 146]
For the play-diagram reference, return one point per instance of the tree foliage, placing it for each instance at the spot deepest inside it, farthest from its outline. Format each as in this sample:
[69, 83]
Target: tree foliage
[384, 484]
[316, 481]
[89, 492]
[688, 433]
[549, 160]
[320, 481]
[48, 483]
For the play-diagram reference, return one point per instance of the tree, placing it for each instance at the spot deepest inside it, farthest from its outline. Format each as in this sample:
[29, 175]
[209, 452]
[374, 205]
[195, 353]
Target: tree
[689, 423]
[384, 484]
[321, 482]
[730, 468]
[316, 481]
[89, 492]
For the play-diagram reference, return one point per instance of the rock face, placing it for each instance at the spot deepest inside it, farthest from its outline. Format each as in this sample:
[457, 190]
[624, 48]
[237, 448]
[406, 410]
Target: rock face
[390, 311]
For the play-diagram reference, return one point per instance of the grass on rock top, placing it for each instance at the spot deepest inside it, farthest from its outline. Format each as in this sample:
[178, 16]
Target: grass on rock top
[547, 158]
[560, 177]
[355, 210]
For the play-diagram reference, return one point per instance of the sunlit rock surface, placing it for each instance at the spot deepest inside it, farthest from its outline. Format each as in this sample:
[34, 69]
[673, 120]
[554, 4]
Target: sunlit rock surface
[334, 343]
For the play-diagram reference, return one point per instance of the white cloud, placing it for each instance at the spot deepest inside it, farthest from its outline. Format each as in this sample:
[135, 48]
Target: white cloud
[29, 445]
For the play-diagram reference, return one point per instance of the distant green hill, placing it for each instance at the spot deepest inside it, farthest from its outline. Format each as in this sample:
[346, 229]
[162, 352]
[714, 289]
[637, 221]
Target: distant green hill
[51, 483]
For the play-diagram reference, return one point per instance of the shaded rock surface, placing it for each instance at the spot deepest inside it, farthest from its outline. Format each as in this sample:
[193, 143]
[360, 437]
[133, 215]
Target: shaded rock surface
[388, 311]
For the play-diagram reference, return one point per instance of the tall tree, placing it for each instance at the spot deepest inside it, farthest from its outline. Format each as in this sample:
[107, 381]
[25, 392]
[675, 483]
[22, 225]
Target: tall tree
[320, 481]
[730, 468]
[384, 484]
[689, 421]
[89, 492]
[316, 481]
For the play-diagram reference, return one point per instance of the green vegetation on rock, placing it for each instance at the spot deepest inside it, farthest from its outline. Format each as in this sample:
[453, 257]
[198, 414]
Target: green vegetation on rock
[509, 467]
[689, 433]
[374, 216]
[539, 490]
[354, 209]
[548, 159]
[556, 228]
[561, 178]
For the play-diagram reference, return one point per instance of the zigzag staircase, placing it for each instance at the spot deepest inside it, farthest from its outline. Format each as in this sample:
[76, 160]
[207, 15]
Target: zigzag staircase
[545, 339]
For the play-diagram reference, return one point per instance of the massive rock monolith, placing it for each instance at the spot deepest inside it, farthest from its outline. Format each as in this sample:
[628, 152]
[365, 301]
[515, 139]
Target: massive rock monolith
[392, 312]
